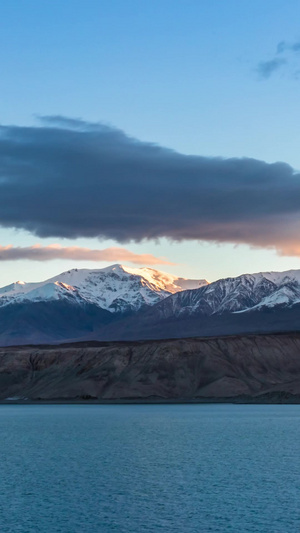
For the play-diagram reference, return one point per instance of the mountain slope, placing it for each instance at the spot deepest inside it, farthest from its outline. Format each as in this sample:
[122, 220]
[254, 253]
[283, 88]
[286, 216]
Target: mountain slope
[232, 295]
[251, 303]
[50, 322]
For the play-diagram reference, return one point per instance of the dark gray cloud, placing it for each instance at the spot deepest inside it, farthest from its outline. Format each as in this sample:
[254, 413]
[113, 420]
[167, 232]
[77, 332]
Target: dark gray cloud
[69, 178]
[266, 68]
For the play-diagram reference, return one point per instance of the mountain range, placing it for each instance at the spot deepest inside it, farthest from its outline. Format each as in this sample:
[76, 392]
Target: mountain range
[122, 303]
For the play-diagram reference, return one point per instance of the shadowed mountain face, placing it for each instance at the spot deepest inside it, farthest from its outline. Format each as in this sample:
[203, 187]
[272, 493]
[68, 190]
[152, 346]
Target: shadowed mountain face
[50, 322]
[177, 369]
[151, 325]
[60, 321]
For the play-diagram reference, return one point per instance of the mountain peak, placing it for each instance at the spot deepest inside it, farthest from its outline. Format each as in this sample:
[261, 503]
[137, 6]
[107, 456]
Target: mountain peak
[116, 288]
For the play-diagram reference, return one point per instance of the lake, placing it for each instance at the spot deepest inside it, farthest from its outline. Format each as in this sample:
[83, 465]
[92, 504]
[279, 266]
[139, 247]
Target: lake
[150, 468]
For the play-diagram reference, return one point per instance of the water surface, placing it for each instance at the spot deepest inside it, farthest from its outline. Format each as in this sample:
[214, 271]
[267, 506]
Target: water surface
[150, 468]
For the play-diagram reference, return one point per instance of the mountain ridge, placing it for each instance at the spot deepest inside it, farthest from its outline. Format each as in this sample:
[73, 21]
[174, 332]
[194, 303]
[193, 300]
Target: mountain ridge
[120, 303]
[239, 294]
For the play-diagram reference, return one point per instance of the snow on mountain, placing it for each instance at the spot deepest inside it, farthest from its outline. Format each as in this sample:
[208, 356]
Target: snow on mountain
[235, 295]
[121, 289]
[116, 288]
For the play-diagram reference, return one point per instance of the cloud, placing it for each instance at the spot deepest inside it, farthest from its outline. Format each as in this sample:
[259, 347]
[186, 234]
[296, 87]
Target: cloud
[69, 178]
[295, 47]
[266, 68]
[283, 46]
[55, 251]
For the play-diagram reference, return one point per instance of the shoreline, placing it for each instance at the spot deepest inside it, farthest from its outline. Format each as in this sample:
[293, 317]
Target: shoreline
[269, 399]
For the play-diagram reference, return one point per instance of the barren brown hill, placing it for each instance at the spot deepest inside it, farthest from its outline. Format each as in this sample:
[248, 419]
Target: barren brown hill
[257, 366]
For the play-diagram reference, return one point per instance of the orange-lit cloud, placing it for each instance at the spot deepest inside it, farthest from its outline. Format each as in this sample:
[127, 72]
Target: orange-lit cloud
[290, 250]
[77, 253]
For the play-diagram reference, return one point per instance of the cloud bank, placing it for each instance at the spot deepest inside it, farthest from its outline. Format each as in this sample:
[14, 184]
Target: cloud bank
[55, 251]
[69, 178]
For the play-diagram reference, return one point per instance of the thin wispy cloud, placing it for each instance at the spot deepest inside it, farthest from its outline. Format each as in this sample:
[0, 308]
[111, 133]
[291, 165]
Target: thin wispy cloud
[55, 251]
[283, 46]
[287, 53]
[266, 68]
[69, 178]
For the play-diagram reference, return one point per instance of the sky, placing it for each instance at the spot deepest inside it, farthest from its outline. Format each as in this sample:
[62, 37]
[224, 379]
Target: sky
[160, 133]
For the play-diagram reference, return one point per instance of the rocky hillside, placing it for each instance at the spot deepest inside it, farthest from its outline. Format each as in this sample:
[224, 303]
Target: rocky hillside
[188, 369]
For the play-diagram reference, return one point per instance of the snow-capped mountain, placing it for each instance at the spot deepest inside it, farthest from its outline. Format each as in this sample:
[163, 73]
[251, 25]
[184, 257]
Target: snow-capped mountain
[119, 289]
[119, 303]
[235, 295]
[116, 288]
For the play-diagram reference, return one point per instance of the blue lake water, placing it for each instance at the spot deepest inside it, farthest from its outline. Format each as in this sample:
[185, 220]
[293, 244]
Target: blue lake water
[150, 468]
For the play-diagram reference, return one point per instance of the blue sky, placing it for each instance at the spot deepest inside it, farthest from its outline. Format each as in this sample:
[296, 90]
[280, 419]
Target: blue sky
[182, 74]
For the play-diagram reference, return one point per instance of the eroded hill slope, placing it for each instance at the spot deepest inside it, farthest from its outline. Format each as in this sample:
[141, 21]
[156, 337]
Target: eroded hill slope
[173, 369]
